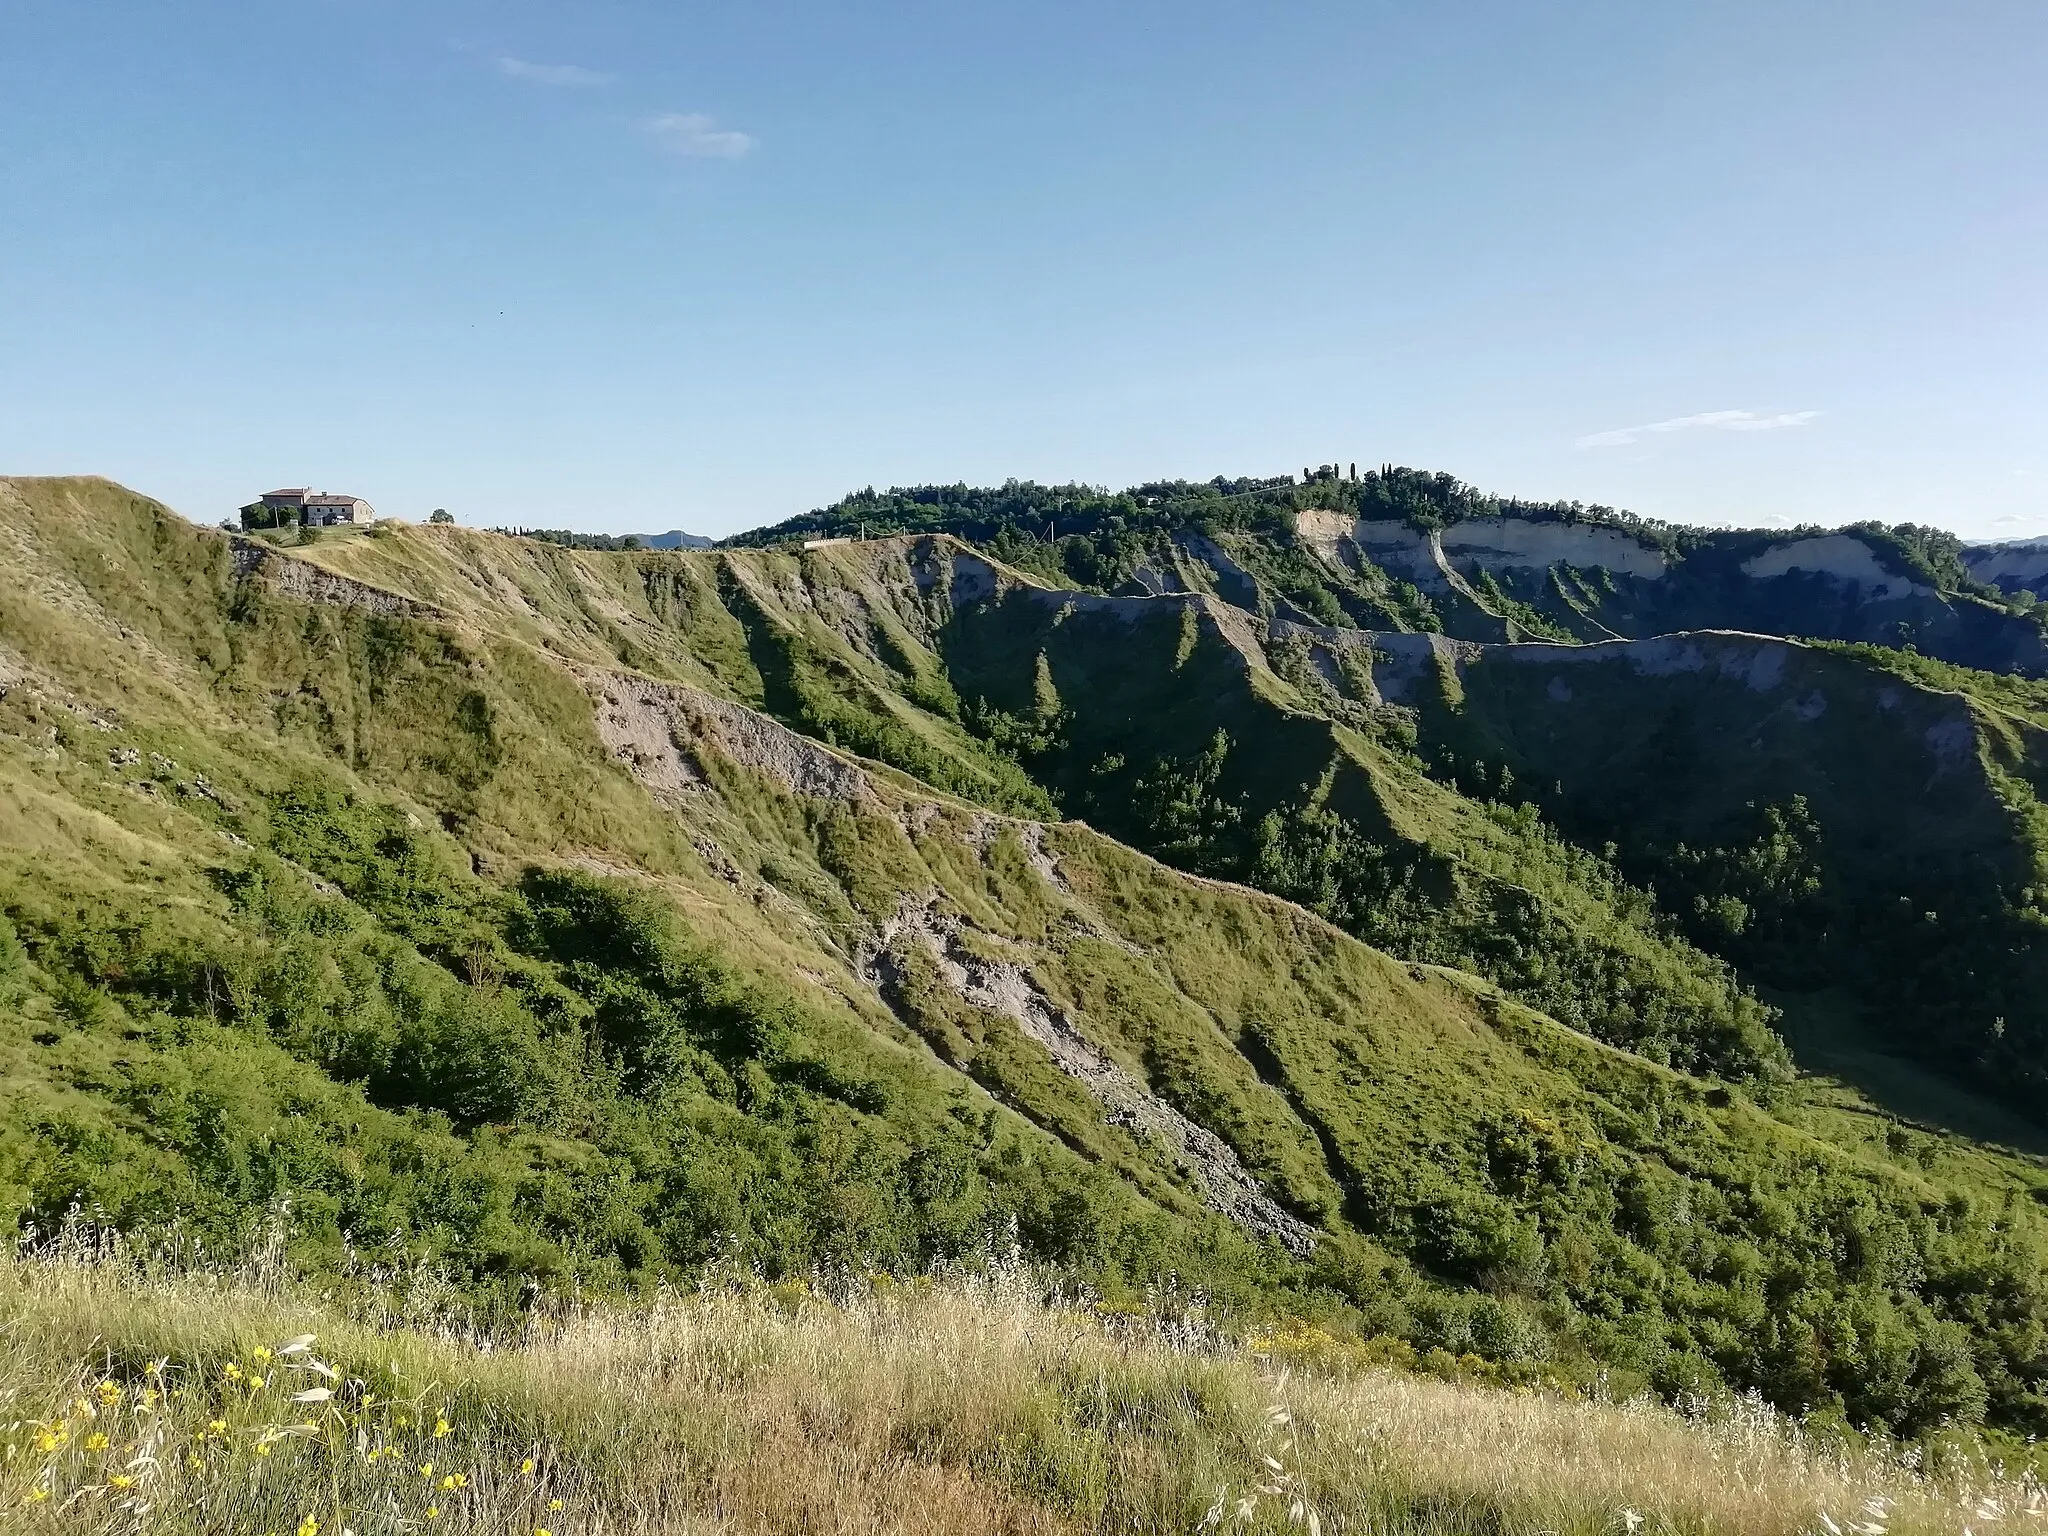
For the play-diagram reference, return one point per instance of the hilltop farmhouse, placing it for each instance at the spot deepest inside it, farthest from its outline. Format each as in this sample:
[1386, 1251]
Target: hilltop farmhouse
[308, 508]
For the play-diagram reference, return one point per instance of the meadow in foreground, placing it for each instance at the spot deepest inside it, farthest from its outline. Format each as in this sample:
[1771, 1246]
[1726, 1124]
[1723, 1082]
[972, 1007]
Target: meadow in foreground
[134, 1398]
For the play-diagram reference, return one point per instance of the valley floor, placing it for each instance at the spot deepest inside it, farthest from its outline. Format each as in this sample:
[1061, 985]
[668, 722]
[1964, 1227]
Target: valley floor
[1832, 1038]
[174, 1402]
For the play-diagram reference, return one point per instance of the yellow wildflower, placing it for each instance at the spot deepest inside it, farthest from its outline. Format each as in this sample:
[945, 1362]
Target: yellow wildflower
[37, 1495]
[260, 1352]
[109, 1393]
[217, 1427]
[194, 1460]
[118, 1481]
[447, 1484]
[263, 1449]
[309, 1527]
[554, 1504]
[149, 1397]
[541, 1530]
[433, 1511]
[426, 1469]
[52, 1437]
[526, 1467]
[95, 1441]
[255, 1383]
[233, 1371]
[441, 1428]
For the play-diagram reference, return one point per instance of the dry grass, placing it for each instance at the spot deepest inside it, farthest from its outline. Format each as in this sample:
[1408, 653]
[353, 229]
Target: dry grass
[963, 1406]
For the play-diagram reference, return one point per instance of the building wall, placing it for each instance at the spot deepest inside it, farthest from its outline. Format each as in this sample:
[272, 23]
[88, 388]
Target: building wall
[296, 509]
[354, 514]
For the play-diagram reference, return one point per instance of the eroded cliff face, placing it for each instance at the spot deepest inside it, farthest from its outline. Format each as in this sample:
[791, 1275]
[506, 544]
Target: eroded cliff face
[1515, 579]
[1839, 558]
[1503, 545]
[2011, 567]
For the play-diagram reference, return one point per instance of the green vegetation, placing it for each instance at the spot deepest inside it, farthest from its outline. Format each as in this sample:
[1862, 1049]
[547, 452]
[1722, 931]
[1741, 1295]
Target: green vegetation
[256, 515]
[1153, 726]
[566, 538]
[506, 930]
[1760, 793]
[1022, 511]
[974, 1404]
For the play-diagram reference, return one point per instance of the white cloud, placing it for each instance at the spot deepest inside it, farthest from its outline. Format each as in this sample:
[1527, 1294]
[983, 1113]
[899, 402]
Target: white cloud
[1716, 421]
[551, 74]
[693, 133]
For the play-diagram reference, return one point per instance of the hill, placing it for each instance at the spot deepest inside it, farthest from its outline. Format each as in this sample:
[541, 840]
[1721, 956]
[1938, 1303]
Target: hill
[1406, 550]
[589, 918]
[1620, 833]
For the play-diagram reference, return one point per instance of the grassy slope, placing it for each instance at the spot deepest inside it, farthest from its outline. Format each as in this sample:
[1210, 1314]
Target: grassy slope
[702, 1060]
[1142, 691]
[1152, 699]
[909, 1409]
[849, 645]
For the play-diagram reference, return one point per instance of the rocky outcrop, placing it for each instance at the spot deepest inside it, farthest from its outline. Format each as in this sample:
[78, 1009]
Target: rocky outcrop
[2010, 567]
[1396, 665]
[1839, 557]
[1431, 560]
[1517, 543]
[310, 583]
[658, 730]
[968, 579]
[1393, 662]
[1394, 547]
[1219, 569]
[1005, 987]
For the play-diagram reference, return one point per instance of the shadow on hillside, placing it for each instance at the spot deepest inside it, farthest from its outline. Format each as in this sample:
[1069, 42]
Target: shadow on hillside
[1830, 1037]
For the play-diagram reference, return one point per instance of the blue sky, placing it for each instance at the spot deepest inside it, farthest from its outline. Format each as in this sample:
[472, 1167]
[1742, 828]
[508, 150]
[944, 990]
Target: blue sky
[629, 266]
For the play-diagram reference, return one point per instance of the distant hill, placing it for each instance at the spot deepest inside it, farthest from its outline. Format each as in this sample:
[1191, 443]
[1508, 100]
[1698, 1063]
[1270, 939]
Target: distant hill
[2016, 567]
[1407, 550]
[568, 538]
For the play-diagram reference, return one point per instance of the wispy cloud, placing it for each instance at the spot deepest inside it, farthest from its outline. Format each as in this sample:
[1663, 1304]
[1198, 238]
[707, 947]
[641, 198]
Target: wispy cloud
[1712, 421]
[551, 74]
[695, 134]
